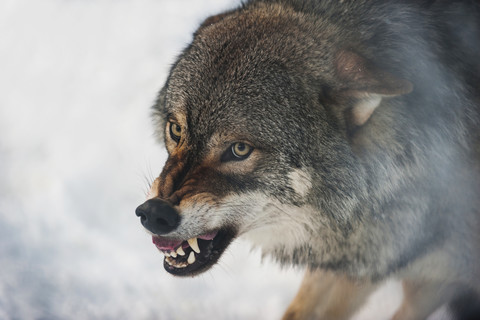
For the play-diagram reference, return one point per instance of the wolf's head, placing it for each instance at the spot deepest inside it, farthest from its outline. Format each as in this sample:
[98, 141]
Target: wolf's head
[256, 115]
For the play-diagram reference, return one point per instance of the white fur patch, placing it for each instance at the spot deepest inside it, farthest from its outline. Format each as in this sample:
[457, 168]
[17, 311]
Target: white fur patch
[301, 182]
[269, 224]
[283, 227]
[364, 109]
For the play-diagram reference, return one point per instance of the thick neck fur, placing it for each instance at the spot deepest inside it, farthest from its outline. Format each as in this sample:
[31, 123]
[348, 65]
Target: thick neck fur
[397, 196]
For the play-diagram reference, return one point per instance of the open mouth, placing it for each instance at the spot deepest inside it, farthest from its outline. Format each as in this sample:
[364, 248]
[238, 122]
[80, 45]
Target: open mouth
[195, 255]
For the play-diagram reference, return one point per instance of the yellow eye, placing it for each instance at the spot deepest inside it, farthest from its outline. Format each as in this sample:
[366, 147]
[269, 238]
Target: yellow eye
[241, 150]
[175, 132]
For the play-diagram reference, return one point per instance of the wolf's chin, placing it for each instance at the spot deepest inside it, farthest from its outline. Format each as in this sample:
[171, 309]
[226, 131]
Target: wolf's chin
[196, 255]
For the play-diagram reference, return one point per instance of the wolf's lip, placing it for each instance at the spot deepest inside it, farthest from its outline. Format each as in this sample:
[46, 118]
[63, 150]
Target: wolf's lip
[195, 255]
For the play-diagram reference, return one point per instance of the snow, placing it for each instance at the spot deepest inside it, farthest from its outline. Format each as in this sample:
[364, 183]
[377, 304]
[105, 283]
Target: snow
[76, 151]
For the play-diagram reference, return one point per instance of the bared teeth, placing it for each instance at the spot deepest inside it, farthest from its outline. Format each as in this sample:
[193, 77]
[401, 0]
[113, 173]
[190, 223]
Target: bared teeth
[180, 251]
[194, 244]
[191, 258]
[174, 263]
[171, 255]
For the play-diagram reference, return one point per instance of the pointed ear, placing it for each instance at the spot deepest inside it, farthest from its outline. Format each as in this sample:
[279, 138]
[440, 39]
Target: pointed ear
[366, 84]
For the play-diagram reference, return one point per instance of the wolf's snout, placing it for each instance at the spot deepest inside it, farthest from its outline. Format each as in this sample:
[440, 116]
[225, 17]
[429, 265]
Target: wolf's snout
[157, 216]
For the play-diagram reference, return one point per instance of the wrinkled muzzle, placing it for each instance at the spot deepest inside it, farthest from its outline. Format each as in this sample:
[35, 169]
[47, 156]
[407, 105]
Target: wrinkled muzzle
[164, 215]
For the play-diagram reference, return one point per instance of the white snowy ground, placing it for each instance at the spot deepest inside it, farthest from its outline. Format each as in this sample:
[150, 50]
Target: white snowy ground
[77, 79]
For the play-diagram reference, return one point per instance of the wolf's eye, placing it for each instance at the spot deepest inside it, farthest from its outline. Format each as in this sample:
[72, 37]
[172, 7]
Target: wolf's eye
[175, 132]
[241, 150]
[238, 151]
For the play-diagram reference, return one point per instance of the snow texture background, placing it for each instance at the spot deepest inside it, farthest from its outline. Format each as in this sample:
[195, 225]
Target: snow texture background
[77, 79]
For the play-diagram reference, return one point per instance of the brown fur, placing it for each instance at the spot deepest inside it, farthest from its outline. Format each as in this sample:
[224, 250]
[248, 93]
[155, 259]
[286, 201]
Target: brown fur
[324, 295]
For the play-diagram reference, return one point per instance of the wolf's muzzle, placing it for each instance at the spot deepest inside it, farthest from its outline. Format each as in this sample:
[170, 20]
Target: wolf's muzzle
[157, 216]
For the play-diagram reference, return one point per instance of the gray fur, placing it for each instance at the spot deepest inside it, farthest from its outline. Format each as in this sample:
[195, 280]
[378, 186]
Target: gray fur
[396, 196]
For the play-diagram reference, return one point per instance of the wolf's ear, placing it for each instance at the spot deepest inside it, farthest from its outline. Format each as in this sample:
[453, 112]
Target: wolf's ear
[366, 84]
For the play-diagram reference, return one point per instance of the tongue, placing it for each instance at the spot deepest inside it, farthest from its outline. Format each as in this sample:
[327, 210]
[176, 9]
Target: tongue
[166, 244]
[208, 236]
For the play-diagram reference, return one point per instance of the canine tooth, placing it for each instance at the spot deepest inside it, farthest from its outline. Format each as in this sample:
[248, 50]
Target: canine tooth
[194, 244]
[180, 251]
[173, 254]
[191, 258]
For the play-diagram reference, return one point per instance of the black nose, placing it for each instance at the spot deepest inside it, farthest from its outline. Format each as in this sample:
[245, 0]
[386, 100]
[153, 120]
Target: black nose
[157, 216]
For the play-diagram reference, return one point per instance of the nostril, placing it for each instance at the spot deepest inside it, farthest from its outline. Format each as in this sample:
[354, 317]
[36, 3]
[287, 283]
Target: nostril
[140, 213]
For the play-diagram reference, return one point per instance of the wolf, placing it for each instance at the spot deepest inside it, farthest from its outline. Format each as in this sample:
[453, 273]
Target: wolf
[338, 135]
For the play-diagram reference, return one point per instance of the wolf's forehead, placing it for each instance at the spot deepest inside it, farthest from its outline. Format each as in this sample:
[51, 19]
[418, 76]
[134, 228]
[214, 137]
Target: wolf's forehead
[243, 80]
[213, 105]
[256, 112]
[221, 121]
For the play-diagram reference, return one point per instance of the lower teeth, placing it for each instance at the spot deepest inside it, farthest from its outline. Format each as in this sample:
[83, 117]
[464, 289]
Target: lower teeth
[175, 263]
[186, 258]
[180, 264]
[191, 258]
